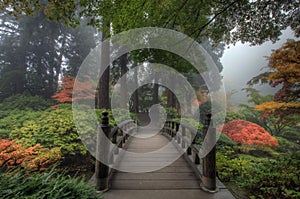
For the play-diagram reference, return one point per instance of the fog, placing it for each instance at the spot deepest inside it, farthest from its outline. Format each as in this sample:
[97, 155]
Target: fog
[241, 62]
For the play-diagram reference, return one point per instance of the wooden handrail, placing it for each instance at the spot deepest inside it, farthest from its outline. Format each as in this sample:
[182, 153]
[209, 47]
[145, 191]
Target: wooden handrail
[103, 171]
[186, 140]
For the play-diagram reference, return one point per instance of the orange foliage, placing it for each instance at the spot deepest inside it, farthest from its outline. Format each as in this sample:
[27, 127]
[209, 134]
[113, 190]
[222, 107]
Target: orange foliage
[284, 64]
[244, 132]
[31, 158]
[83, 90]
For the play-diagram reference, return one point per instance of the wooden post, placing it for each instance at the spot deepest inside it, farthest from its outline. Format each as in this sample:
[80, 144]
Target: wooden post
[172, 131]
[189, 149]
[183, 137]
[114, 141]
[209, 162]
[176, 133]
[196, 158]
[102, 153]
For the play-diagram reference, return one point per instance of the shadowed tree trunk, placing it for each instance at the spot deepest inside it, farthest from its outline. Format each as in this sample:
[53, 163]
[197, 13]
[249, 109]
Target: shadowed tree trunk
[136, 93]
[103, 93]
[123, 63]
[156, 87]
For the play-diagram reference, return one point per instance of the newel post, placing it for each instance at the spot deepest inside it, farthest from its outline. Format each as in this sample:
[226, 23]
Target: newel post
[102, 153]
[209, 162]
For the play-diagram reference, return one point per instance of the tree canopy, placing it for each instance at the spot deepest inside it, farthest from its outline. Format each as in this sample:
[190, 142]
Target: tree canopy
[227, 21]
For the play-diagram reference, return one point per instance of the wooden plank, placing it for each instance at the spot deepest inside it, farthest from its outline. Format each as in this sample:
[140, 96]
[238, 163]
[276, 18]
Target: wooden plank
[155, 184]
[151, 159]
[167, 194]
[155, 176]
[163, 170]
[150, 163]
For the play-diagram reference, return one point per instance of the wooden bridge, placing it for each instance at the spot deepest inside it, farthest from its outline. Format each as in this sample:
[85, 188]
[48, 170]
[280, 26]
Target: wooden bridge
[154, 165]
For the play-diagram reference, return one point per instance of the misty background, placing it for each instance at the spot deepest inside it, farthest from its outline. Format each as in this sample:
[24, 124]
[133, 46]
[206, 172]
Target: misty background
[241, 62]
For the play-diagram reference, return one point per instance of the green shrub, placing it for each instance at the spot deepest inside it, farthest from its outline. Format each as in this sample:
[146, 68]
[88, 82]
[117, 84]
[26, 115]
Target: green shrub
[273, 178]
[18, 185]
[171, 113]
[231, 166]
[224, 140]
[292, 134]
[234, 116]
[53, 128]
[16, 119]
[25, 101]
[285, 145]
[191, 122]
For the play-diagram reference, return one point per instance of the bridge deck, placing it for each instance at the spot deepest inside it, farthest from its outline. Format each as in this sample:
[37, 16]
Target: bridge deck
[177, 180]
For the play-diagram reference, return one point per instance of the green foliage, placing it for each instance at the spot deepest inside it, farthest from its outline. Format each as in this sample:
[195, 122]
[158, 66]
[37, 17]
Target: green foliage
[230, 166]
[191, 122]
[206, 108]
[25, 101]
[18, 185]
[53, 128]
[292, 133]
[273, 178]
[234, 116]
[171, 113]
[224, 141]
[285, 145]
[271, 124]
[15, 119]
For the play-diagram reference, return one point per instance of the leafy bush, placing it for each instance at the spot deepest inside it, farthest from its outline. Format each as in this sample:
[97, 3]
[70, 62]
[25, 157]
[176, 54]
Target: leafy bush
[15, 119]
[171, 113]
[234, 116]
[23, 101]
[224, 141]
[230, 166]
[31, 158]
[273, 178]
[191, 122]
[18, 185]
[244, 132]
[53, 128]
[285, 145]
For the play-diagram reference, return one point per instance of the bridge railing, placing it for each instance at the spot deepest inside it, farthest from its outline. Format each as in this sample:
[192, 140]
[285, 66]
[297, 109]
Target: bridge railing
[186, 136]
[118, 136]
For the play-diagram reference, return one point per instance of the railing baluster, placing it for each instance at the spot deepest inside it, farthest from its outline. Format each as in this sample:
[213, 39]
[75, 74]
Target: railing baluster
[121, 142]
[196, 158]
[173, 127]
[183, 136]
[177, 132]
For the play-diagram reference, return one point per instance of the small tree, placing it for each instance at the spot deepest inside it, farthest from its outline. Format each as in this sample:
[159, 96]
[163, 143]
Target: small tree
[284, 65]
[83, 90]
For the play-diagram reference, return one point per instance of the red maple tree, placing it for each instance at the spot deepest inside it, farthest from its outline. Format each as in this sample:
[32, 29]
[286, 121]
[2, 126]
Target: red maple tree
[245, 132]
[83, 90]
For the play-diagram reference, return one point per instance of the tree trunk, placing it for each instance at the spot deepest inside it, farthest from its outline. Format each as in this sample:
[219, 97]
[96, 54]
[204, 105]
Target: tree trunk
[156, 87]
[22, 57]
[103, 93]
[171, 101]
[136, 93]
[123, 63]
